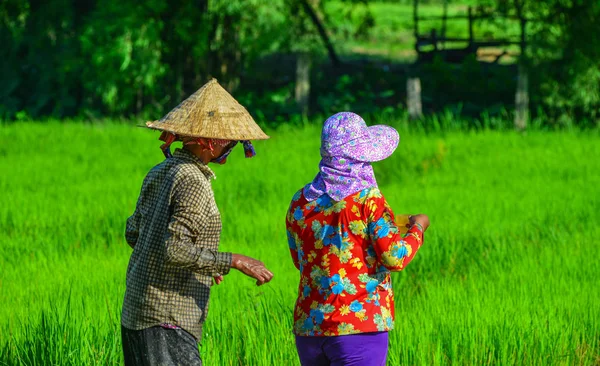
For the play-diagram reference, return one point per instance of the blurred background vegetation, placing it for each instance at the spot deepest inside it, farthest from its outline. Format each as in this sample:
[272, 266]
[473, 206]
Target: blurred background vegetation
[138, 59]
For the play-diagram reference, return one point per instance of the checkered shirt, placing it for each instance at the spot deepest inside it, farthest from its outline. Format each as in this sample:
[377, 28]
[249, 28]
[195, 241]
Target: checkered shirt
[174, 233]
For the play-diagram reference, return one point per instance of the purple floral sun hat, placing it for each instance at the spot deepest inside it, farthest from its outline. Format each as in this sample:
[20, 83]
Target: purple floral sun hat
[346, 134]
[348, 147]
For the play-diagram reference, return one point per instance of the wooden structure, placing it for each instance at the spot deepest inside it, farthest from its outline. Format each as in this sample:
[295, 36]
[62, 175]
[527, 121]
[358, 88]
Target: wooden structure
[303, 64]
[434, 44]
[439, 42]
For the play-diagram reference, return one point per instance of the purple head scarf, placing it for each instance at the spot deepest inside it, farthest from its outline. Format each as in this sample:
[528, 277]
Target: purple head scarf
[348, 147]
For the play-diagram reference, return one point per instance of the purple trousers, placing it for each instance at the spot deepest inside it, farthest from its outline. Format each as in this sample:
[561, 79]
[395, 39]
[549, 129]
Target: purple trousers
[363, 349]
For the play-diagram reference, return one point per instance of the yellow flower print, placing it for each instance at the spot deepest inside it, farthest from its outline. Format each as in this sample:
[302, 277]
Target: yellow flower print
[389, 298]
[409, 250]
[390, 260]
[385, 312]
[345, 328]
[374, 193]
[337, 208]
[362, 315]
[416, 236]
[343, 255]
[345, 309]
[372, 206]
[358, 227]
[356, 263]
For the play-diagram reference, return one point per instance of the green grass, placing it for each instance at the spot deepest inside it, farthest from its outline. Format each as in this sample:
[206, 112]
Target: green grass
[508, 273]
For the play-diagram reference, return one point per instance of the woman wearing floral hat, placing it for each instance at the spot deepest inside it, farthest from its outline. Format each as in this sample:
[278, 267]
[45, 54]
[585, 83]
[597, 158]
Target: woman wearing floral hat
[175, 232]
[344, 240]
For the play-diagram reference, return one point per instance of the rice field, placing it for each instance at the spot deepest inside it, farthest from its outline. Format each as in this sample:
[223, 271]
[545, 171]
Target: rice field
[508, 274]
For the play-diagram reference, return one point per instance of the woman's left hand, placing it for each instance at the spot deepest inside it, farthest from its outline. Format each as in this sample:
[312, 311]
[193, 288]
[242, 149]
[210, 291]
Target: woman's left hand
[218, 280]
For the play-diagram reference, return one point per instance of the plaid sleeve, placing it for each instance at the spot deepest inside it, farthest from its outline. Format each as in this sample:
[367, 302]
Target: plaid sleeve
[192, 203]
[132, 229]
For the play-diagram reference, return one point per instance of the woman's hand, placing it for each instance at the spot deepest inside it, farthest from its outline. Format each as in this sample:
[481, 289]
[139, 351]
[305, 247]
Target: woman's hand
[252, 268]
[420, 219]
[218, 280]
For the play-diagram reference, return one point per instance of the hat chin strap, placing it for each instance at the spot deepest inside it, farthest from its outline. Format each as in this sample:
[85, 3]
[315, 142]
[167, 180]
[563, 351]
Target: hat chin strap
[169, 138]
[248, 149]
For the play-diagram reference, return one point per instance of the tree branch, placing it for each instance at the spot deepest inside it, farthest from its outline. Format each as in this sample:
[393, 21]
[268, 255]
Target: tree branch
[315, 19]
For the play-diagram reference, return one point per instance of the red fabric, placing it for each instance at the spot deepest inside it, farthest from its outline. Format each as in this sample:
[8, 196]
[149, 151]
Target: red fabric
[345, 251]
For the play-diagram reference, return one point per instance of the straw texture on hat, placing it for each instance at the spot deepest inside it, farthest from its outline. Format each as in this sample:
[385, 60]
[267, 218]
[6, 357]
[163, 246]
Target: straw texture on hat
[210, 112]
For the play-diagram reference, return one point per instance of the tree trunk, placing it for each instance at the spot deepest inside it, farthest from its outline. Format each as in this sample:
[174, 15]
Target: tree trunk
[315, 19]
[416, 24]
[444, 21]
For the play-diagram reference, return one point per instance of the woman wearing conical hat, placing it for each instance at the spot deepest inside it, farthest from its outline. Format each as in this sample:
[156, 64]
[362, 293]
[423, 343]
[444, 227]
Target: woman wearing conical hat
[175, 231]
[345, 241]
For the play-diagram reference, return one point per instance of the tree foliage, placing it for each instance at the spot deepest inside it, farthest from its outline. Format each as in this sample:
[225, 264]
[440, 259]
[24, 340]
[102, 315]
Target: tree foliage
[563, 52]
[123, 58]
[109, 57]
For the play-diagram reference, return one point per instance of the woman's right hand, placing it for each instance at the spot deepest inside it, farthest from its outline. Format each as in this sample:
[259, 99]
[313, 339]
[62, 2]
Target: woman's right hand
[420, 219]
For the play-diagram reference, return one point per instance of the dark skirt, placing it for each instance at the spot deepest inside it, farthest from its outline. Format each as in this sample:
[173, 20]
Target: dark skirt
[159, 346]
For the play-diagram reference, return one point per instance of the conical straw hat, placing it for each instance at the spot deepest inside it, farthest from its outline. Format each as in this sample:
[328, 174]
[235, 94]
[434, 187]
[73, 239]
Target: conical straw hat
[210, 112]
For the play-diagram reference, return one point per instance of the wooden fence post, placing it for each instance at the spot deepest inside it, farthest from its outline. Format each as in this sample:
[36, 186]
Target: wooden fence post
[522, 93]
[413, 97]
[303, 63]
[522, 99]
